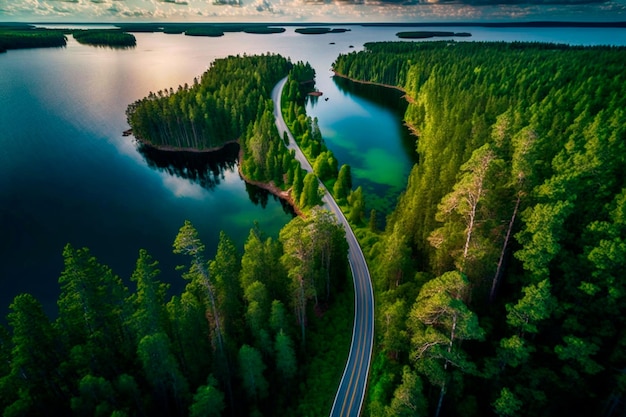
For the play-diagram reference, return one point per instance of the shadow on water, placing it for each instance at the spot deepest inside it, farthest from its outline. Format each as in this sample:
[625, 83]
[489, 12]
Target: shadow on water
[389, 97]
[259, 196]
[206, 169]
[203, 168]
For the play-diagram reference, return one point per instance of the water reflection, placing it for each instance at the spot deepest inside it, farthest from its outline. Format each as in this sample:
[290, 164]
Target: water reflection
[186, 171]
[203, 168]
[390, 98]
[385, 96]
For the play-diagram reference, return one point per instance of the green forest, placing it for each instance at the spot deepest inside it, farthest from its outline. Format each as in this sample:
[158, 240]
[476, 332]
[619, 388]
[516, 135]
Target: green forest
[215, 109]
[235, 342]
[213, 112]
[499, 277]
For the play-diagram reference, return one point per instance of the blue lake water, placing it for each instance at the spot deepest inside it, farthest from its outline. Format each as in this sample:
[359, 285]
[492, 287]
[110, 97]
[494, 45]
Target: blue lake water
[67, 175]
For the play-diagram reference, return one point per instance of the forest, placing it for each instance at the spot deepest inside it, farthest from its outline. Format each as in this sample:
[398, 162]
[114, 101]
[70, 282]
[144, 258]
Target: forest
[235, 342]
[201, 29]
[211, 111]
[499, 277]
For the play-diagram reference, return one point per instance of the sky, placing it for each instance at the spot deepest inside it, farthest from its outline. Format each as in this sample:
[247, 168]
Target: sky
[311, 11]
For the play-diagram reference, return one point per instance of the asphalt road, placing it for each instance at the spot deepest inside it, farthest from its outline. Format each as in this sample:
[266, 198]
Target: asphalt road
[351, 391]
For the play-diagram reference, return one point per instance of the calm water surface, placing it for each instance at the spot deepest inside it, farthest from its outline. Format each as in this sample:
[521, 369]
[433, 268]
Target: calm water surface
[68, 176]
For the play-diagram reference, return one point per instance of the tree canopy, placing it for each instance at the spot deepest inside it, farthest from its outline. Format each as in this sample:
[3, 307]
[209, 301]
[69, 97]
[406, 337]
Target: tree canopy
[519, 187]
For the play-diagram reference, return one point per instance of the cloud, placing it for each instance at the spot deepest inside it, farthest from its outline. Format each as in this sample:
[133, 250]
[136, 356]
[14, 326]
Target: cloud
[264, 6]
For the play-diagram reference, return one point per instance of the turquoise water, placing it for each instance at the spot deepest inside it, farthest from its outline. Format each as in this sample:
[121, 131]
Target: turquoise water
[67, 175]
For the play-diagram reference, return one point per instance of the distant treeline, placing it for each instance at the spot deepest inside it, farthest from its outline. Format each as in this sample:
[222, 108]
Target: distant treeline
[319, 30]
[201, 29]
[425, 34]
[22, 37]
[500, 276]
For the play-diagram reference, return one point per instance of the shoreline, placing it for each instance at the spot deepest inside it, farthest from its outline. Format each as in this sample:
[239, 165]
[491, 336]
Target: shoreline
[269, 187]
[169, 148]
[407, 97]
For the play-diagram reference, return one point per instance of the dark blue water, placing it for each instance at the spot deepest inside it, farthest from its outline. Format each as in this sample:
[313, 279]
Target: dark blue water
[67, 175]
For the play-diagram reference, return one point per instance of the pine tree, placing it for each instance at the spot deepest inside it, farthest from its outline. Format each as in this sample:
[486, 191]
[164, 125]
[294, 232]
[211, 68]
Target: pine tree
[439, 320]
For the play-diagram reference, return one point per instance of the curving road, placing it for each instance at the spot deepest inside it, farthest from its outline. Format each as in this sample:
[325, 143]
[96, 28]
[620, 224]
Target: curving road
[351, 392]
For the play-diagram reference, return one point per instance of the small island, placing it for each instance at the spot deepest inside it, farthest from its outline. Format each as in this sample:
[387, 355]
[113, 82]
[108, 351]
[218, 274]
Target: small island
[426, 34]
[113, 38]
[320, 30]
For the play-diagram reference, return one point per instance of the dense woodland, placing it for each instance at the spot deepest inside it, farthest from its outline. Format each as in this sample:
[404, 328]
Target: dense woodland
[215, 109]
[213, 112]
[306, 132]
[233, 343]
[499, 278]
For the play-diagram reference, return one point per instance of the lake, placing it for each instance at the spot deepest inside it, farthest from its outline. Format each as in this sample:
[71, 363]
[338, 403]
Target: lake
[67, 175]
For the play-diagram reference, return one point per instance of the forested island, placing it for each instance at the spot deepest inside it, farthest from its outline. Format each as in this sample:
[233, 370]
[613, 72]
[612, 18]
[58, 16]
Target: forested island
[201, 29]
[105, 37]
[320, 30]
[426, 34]
[21, 36]
[499, 277]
